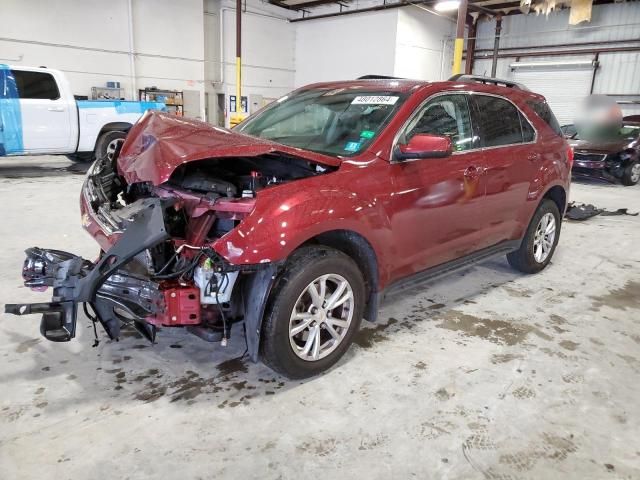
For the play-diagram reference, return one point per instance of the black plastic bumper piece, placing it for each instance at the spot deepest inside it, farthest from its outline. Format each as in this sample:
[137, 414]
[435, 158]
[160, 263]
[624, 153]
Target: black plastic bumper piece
[76, 280]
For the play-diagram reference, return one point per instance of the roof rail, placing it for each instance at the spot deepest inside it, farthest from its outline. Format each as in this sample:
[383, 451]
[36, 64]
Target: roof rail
[377, 77]
[461, 77]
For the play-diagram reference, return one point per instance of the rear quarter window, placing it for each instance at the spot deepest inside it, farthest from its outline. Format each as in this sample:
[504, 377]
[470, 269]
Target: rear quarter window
[499, 121]
[543, 111]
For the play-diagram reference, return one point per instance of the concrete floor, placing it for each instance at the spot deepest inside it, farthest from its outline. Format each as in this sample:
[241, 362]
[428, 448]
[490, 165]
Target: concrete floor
[486, 375]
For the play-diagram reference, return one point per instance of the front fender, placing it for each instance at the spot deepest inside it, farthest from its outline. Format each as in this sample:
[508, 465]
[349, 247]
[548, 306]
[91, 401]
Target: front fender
[287, 216]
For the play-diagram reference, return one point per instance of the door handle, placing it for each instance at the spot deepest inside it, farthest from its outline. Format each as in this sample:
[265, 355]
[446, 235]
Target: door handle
[533, 157]
[56, 109]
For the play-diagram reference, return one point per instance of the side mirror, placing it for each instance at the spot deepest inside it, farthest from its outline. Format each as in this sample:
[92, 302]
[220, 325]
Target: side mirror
[423, 145]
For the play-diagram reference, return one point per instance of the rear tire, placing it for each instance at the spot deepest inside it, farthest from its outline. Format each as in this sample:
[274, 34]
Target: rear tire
[631, 174]
[109, 143]
[302, 337]
[540, 240]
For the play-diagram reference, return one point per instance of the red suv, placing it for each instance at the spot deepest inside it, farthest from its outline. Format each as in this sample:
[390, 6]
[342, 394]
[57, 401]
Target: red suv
[301, 219]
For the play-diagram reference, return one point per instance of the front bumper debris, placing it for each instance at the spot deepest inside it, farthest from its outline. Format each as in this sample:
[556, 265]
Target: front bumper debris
[113, 293]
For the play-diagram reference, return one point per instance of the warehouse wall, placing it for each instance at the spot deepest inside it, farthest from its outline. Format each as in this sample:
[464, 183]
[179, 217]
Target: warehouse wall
[422, 49]
[404, 42]
[268, 51]
[346, 47]
[619, 73]
[89, 41]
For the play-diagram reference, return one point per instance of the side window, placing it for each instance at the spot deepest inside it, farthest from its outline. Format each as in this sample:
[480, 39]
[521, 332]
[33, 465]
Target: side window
[499, 121]
[38, 85]
[543, 110]
[446, 115]
[528, 133]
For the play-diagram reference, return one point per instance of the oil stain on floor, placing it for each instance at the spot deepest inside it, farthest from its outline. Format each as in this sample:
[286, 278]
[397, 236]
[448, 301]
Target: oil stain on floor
[626, 297]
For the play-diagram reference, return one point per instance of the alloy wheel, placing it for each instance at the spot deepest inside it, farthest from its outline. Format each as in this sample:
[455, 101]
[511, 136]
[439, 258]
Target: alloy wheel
[635, 173]
[321, 317]
[544, 237]
[112, 147]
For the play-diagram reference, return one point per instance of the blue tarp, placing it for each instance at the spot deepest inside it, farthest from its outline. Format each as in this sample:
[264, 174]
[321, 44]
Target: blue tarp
[10, 114]
[123, 106]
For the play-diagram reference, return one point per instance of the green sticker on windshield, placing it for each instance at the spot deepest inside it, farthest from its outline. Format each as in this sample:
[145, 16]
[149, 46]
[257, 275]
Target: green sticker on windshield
[367, 134]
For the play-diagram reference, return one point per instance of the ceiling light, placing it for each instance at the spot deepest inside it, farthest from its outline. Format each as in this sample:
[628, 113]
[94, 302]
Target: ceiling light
[447, 5]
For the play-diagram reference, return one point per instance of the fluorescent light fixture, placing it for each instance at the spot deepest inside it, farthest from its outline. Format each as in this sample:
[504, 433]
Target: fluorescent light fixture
[447, 5]
[560, 64]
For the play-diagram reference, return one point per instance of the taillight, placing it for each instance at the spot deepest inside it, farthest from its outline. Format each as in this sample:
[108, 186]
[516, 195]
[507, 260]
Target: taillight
[570, 156]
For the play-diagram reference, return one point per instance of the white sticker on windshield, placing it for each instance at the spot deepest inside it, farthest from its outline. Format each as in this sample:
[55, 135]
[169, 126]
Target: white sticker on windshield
[374, 100]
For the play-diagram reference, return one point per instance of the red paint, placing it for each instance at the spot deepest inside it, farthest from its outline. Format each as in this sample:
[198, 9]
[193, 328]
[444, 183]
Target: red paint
[415, 214]
[159, 143]
[182, 307]
[425, 144]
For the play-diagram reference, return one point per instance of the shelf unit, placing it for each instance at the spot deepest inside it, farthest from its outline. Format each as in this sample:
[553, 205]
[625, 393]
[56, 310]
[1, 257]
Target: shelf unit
[173, 99]
[107, 93]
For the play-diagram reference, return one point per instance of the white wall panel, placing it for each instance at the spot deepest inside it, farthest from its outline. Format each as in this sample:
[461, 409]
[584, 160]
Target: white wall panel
[89, 41]
[347, 47]
[422, 51]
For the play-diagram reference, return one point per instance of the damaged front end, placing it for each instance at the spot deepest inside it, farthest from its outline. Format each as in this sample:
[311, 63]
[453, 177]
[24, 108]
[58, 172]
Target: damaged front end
[158, 228]
[113, 292]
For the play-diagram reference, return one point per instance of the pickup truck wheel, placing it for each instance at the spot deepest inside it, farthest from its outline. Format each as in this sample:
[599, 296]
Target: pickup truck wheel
[315, 309]
[108, 144]
[540, 240]
[631, 174]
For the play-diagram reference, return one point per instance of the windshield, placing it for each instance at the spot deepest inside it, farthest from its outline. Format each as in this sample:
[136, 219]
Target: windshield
[338, 122]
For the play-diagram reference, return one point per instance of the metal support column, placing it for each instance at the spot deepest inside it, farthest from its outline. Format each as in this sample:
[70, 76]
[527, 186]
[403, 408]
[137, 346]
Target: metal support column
[471, 45]
[238, 117]
[496, 46]
[459, 43]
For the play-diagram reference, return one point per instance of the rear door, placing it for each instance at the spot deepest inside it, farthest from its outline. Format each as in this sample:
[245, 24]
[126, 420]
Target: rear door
[437, 212]
[511, 158]
[46, 114]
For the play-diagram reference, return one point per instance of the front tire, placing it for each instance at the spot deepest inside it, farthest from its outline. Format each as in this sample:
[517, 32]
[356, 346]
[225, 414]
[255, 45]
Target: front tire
[315, 309]
[631, 174]
[109, 144]
[540, 240]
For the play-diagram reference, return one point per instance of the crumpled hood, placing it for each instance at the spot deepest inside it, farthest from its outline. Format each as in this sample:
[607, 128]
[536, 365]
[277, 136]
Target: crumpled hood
[159, 143]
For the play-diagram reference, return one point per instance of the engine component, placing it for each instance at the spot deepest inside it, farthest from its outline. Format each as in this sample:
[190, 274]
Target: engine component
[214, 287]
[201, 181]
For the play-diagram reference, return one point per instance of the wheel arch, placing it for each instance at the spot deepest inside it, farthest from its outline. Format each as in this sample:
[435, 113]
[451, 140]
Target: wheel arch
[361, 251]
[112, 127]
[558, 194]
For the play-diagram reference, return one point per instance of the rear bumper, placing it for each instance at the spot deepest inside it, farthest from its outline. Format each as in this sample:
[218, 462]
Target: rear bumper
[105, 285]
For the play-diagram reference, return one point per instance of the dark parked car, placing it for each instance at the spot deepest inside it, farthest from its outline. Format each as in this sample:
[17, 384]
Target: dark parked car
[615, 157]
[300, 220]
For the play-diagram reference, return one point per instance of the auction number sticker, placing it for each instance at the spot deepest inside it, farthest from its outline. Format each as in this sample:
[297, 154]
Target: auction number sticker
[374, 100]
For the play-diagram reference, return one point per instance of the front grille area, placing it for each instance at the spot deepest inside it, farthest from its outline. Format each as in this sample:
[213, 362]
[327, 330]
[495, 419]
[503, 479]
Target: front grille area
[589, 157]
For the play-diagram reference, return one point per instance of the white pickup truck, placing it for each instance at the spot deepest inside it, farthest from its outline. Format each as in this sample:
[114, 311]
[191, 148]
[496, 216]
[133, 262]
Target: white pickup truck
[39, 115]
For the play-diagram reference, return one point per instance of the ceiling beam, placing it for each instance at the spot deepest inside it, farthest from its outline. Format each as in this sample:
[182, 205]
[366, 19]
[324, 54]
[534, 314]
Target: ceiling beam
[318, 3]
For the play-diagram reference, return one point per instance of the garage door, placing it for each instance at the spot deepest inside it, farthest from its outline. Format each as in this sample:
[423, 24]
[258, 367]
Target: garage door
[563, 89]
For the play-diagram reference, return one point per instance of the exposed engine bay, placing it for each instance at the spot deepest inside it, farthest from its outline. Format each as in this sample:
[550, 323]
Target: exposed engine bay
[157, 267]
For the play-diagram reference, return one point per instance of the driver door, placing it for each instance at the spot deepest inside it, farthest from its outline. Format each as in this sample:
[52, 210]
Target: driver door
[437, 203]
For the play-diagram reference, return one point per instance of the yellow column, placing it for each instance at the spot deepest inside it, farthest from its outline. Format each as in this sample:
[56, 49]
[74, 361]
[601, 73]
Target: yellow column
[457, 56]
[238, 116]
[458, 46]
